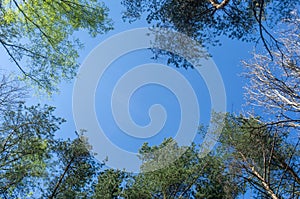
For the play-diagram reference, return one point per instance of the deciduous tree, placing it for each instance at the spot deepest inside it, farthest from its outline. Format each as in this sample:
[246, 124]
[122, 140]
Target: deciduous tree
[38, 36]
[275, 84]
[264, 158]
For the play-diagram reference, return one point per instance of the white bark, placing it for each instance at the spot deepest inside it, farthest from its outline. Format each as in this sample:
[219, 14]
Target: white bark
[262, 180]
[275, 84]
[219, 5]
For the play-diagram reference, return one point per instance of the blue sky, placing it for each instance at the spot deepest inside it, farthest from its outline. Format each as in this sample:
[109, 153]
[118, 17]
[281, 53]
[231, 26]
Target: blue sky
[227, 58]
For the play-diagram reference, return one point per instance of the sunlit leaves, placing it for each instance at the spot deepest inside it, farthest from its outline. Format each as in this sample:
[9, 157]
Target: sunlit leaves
[27, 134]
[38, 36]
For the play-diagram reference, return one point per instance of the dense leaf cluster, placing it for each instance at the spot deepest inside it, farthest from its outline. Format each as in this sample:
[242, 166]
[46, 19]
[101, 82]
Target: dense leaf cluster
[38, 36]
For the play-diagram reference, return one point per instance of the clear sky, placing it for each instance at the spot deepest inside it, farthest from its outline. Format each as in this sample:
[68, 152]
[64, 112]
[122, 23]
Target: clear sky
[226, 57]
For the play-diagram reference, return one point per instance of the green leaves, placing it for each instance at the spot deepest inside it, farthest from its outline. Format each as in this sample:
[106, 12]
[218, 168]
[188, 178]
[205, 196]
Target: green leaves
[38, 37]
[187, 177]
[27, 135]
[73, 173]
[109, 184]
[250, 155]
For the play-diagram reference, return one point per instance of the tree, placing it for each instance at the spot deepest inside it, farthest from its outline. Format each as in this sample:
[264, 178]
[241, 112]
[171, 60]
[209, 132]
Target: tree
[187, 177]
[27, 133]
[250, 155]
[11, 93]
[262, 157]
[206, 20]
[34, 162]
[74, 172]
[275, 84]
[109, 184]
[38, 36]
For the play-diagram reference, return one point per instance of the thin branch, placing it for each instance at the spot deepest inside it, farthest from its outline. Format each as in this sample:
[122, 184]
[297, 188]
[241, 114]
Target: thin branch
[20, 67]
[259, 177]
[286, 166]
[36, 25]
[62, 176]
[259, 20]
[217, 5]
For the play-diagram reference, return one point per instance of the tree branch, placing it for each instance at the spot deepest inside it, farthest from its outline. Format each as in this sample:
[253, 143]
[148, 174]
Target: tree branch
[54, 192]
[259, 177]
[19, 66]
[217, 5]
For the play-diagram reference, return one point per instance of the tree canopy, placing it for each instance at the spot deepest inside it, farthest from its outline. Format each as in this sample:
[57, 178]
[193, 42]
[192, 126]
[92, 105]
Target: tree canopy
[207, 21]
[262, 157]
[257, 153]
[250, 155]
[188, 177]
[34, 161]
[38, 36]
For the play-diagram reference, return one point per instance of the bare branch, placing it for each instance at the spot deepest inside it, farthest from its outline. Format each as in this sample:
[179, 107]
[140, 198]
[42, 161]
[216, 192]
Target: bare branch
[275, 84]
[217, 5]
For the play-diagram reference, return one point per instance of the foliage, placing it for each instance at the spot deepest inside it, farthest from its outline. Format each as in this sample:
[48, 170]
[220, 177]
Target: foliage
[109, 184]
[187, 177]
[34, 160]
[34, 163]
[11, 94]
[263, 158]
[250, 155]
[206, 20]
[26, 135]
[38, 36]
[74, 172]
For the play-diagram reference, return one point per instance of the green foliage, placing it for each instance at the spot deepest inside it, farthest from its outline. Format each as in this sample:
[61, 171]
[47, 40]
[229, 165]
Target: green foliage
[26, 135]
[73, 173]
[38, 36]
[250, 155]
[245, 20]
[34, 163]
[188, 176]
[109, 184]
[263, 157]
[203, 22]
[33, 160]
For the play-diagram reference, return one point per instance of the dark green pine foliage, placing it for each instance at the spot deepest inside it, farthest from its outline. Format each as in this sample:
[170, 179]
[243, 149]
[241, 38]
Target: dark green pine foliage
[245, 20]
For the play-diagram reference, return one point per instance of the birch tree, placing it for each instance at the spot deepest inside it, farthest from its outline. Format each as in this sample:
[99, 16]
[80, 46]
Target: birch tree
[263, 158]
[274, 85]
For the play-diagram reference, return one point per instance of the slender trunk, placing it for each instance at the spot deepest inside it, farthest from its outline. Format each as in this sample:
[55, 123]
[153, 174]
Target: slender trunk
[264, 183]
[61, 179]
[262, 180]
